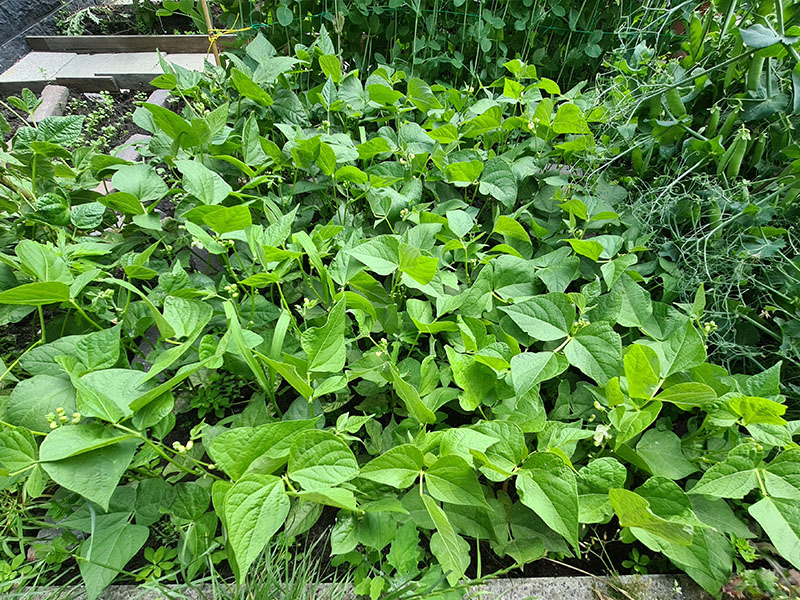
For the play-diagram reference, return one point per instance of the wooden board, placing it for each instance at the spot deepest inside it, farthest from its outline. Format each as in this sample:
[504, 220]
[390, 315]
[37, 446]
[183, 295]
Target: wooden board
[93, 44]
[89, 84]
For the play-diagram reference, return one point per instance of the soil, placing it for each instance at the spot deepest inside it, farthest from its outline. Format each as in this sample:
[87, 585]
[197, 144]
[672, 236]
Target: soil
[108, 115]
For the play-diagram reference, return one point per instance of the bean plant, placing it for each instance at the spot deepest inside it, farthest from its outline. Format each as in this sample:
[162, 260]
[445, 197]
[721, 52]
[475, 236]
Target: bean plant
[442, 318]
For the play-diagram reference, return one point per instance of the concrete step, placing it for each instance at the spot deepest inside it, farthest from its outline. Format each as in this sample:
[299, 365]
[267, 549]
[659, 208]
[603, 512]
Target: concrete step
[91, 72]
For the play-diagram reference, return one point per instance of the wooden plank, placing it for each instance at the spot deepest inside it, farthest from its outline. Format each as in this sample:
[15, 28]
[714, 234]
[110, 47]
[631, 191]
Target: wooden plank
[89, 84]
[92, 44]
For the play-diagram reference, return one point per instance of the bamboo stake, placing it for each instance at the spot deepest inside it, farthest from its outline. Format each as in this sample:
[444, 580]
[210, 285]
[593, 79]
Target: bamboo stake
[210, 27]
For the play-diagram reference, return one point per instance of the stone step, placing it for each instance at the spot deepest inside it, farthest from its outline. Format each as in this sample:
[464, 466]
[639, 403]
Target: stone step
[132, 70]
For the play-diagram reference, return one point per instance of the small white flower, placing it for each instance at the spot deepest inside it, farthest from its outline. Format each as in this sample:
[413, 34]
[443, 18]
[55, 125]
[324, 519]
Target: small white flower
[601, 433]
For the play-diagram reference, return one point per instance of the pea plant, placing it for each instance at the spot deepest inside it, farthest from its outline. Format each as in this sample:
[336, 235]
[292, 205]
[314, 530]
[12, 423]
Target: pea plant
[440, 319]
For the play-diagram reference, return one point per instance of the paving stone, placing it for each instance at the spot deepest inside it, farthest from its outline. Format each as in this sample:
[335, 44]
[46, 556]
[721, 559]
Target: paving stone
[54, 101]
[129, 63]
[159, 97]
[35, 70]
[646, 587]
[193, 62]
[128, 150]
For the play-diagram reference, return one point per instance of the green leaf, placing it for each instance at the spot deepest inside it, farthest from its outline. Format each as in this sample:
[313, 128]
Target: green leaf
[203, 183]
[248, 88]
[34, 398]
[106, 552]
[449, 548]
[380, 254]
[547, 317]
[662, 452]
[290, 374]
[760, 36]
[499, 182]
[780, 519]
[65, 442]
[18, 449]
[319, 459]
[734, 477]
[587, 248]
[751, 409]
[597, 351]
[531, 368]
[420, 95]
[410, 397]
[397, 467]
[634, 511]
[684, 349]
[63, 131]
[405, 553]
[450, 479]
[228, 218]
[462, 174]
[42, 263]
[255, 508]
[123, 202]
[36, 294]
[642, 371]
[284, 15]
[173, 125]
[596, 479]
[95, 474]
[265, 447]
[570, 119]
[140, 181]
[331, 67]
[324, 345]
[548, 487]
[687, 395]
[416, 265]
[370, 148]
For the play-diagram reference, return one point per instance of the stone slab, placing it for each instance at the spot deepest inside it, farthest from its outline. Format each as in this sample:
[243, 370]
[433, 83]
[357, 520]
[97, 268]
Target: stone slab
[90, 65]
[638, 587]
[54, 100]
[128, 150]
[193, 62]
[36, 67]
[159, 98]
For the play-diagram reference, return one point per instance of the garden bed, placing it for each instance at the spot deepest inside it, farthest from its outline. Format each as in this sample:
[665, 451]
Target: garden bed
[351, 324]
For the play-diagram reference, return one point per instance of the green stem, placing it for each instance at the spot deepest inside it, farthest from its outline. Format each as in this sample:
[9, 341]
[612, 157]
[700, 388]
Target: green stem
[85, 316]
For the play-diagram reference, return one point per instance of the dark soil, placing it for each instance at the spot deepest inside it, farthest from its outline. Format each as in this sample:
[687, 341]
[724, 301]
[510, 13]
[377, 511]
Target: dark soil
[109, 116]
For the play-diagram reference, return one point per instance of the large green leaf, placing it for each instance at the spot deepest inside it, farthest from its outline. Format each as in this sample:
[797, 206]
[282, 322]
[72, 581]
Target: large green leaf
[735, 476]
[319, 459]
[203, 183]
[255, 508]
[95, 474]
[662, 452]
[548, 487]
[450, 479]
[499, 181]
[107, 552]
[780, 520]
[397, 467]
[634, 511]
[34, 398]
[36, 294]
[324, 345]
[265, 448]
[449, 548]
[597, 351]
[547, 317]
